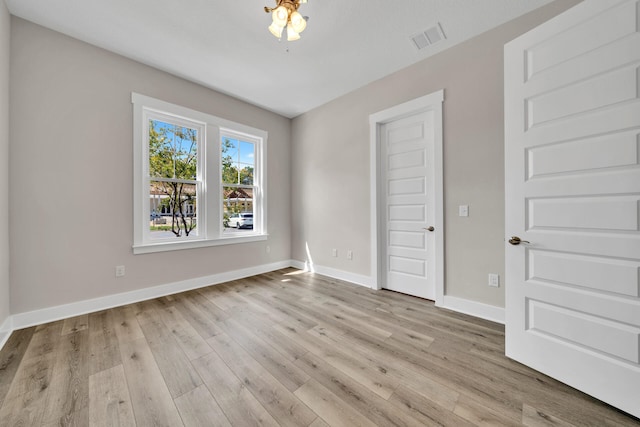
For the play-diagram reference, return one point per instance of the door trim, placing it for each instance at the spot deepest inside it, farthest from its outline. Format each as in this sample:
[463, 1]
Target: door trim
[432, 102]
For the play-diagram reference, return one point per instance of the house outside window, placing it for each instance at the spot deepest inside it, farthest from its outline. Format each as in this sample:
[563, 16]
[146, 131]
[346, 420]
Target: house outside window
[199, 179]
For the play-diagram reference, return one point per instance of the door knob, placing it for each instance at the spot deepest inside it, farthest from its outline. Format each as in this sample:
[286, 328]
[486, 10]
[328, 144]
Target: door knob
[429, 229]
[515, 240]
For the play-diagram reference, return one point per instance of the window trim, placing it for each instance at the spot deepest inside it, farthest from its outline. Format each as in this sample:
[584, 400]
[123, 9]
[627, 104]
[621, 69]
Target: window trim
[211, 158]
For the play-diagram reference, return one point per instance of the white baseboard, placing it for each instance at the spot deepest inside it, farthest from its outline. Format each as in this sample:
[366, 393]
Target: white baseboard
[5, 331]
[50, 314]
[473, 308]
[4, 337]
[356, 279]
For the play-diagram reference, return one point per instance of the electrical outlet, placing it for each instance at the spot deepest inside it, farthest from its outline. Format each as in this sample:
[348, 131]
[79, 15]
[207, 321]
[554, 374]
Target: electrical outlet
[119, 270]
[349, 255]
[334, 252]
[494, 280]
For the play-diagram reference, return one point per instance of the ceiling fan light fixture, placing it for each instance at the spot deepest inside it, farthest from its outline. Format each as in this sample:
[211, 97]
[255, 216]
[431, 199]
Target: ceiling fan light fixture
[292, 34]
[285, 14]
[298, 22]
[280, 16]
[276, 29]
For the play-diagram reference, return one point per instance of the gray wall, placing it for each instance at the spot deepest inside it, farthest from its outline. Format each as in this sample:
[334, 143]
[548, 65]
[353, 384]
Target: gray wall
[71, 173]
[4, 161]
[330, 162]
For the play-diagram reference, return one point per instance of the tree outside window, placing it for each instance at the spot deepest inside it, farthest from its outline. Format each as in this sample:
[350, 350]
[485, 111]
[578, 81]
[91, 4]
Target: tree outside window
[173, 171]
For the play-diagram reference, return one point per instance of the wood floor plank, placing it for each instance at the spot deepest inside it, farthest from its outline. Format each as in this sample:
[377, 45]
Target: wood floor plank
[561, 402]
[179, 376]
[197, 317]
[150, 397]
[367, 374]
[378, 410]
[453, 327]
[145, 311]
[401, 333]
[269, 357]
[321, 315]
[75, 324]
[109, 400]
[319, 422]
[402, 372]
[330, 407]
[199, 409]
[45, 339]
[68, 399]
[192, 343]
[24, 404]
[126, 324]
[282, 312]
[238, 404]
[287, 409]
[224, 296]
[454, 376]
[291, 349]
[104, 350]
[481, 415]
[532, 417]
[426, 410]
[11, 357]
[212, 311]
[356, 320]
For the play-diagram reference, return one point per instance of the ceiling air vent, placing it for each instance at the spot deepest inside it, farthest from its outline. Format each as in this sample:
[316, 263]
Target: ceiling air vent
[428, 37]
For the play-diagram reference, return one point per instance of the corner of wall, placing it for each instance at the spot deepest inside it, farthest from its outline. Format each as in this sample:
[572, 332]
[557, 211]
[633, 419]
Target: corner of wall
[5, 36]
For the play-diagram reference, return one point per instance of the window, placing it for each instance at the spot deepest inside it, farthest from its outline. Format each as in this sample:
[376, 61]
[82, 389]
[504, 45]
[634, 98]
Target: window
[199, 179]
[175, 176]
[238, 183]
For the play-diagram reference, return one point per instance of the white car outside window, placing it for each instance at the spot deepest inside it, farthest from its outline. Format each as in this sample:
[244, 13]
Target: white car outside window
[241, 220]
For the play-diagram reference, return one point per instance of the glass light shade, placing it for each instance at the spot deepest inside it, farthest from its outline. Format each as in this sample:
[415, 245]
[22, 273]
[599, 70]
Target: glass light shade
[298, 22]
[276, 29]
[280, 16]
[292, 35]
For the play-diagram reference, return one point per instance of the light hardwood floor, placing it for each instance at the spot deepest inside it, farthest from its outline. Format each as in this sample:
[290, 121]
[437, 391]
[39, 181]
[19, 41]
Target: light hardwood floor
[280, 349]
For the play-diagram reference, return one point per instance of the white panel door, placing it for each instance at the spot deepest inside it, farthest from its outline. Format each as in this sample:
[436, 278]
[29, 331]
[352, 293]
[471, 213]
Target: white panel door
[572, 142]
[407, 154]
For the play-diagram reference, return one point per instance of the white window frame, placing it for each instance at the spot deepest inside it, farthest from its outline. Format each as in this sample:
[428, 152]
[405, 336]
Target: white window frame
[209, 202]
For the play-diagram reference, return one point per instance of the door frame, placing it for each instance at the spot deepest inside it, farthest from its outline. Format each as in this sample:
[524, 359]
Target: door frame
[432, 102]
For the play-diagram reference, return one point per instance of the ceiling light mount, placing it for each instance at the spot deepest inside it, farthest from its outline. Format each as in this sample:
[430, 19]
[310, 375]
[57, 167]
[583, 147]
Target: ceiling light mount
[285, 14]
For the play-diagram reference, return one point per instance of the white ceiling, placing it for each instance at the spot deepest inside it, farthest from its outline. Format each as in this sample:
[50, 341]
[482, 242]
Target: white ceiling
[225, 45]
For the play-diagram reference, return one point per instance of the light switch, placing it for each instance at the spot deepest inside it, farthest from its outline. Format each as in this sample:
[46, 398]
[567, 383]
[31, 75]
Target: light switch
[463, 210]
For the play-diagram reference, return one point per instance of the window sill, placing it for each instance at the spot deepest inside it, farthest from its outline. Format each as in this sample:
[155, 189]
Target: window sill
[193, 244]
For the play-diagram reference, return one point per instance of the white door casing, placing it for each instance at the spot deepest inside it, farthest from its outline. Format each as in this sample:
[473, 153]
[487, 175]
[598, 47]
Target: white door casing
[407, 197]
[572, 169]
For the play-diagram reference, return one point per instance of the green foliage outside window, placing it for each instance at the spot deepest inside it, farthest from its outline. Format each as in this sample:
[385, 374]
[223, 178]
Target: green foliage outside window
[173, 156]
